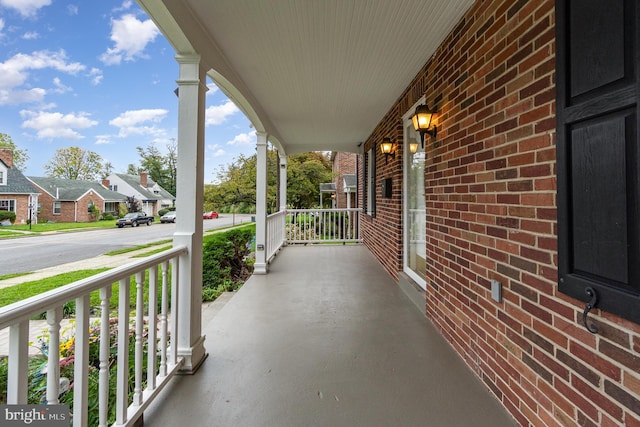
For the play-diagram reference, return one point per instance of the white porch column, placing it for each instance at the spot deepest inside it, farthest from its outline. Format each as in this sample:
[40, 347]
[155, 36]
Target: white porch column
[283, 182]
[260, 266]
[190, 183]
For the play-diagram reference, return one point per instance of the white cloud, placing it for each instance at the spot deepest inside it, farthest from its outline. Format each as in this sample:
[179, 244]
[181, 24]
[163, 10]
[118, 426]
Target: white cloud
[135, 122]
[1, 25]
[17, 97]
[72, 9]
[25, 8]
[218, 114]
[103, 139]
[56, 125]
[212, 88]
[126, 5]
[60, 87]
[31, 35]
[15, 73]
[96, 76]
[244, 139]
[130, 37]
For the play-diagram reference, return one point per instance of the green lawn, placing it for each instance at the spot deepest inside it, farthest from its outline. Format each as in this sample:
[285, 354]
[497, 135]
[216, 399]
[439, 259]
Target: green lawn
[61, 226]
[15, 293]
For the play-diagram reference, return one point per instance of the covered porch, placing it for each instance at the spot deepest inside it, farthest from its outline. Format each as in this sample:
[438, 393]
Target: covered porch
[326, 338]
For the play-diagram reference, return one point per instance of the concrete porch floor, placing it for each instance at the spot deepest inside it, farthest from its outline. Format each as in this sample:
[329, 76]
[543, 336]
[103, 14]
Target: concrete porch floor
[325, 339]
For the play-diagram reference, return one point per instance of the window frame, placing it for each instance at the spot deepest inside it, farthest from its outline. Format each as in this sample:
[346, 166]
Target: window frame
[9, 202]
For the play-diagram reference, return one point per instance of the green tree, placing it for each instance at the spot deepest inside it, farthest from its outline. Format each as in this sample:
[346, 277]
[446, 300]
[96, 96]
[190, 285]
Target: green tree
[75, 163]
[162, 168]
[20, 156]
[305, 173]
[236, 185]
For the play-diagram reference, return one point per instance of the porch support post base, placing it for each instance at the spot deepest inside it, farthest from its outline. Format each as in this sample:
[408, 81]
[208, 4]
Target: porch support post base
[260, 268]
[193, 357]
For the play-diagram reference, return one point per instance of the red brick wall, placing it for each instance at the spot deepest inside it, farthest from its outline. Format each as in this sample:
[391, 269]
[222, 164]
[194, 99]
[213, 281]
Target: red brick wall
[344, 163]
[68, 208]
[491, 214]
[22, 206]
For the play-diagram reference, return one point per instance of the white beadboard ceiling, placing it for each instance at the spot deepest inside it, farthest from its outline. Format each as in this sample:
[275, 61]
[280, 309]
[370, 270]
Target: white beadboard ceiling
[313, 74]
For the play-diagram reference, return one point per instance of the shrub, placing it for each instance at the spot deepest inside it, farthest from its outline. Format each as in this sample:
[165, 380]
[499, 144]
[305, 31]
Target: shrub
[165, 210]
[11, 216]
[94, 212]
[224, 264]
[108, 217]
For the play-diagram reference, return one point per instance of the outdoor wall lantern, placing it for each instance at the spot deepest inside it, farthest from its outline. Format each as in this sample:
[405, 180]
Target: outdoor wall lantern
[388, 148]
[413, 146]
[422, 119]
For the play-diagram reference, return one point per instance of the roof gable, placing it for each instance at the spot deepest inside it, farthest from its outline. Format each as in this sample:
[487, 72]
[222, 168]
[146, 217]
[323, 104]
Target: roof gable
[16, 182]
[134, 182]
[74, 189]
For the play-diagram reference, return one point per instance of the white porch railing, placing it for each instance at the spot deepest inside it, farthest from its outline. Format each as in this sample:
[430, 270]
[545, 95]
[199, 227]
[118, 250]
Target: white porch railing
[323, 225]
[275, 233]
[157, 343]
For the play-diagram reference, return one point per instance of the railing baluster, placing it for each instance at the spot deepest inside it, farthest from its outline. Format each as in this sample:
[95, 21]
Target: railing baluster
[14, 318]
[163, 320]
[122, 380]
[81, 363]
[105, 344]
[153, 327]
[321, 225]
[18, 363]
[54, 316]
[137, 387]
[173, 354]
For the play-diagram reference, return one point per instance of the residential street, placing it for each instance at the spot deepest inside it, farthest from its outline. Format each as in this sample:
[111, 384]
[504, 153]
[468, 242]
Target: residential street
[25, 254]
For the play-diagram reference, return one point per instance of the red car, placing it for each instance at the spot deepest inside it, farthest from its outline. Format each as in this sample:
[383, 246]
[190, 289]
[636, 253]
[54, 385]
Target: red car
[210, 215]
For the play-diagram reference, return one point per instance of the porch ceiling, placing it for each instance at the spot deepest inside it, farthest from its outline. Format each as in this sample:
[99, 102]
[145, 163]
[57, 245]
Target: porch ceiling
[315, 75]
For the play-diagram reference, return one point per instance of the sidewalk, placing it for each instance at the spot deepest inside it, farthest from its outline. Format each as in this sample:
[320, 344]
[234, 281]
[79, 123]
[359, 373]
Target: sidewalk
[102, 261]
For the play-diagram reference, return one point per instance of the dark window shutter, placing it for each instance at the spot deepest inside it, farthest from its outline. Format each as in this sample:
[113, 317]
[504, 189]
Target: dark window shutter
[598, 152]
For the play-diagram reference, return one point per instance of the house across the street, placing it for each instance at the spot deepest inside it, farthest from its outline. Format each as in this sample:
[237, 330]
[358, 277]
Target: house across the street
[150, 194]
[70, 200]
[17, 193]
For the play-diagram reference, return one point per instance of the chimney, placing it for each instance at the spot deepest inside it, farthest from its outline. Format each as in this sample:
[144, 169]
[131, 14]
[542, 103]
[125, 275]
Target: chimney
[6, 155]
[106, 183]
[143, 179]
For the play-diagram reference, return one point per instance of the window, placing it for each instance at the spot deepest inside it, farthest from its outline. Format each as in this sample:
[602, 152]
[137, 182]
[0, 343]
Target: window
[598, 160]
[2, 178]
[113, 187]
[370, 182]
[8, 205]
[56, 208]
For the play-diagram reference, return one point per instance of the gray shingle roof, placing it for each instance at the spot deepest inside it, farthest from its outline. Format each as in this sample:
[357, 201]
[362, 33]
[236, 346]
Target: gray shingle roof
[349, 181]
[73, 189]
[134, 181]
[17, 183]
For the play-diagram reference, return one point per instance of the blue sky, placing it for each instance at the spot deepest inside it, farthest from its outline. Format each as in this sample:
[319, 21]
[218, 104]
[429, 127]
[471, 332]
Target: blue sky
[99, 75]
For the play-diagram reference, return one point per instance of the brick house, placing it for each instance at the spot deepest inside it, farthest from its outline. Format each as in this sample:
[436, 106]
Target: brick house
[149, 193]
[513, 223]
[69, 200]
[17, 193]
[344, 168]
[492, 221]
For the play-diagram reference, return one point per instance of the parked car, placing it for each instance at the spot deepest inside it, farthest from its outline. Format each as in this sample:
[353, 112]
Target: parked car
[210, 215]
[168, 217]
[134, 219]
